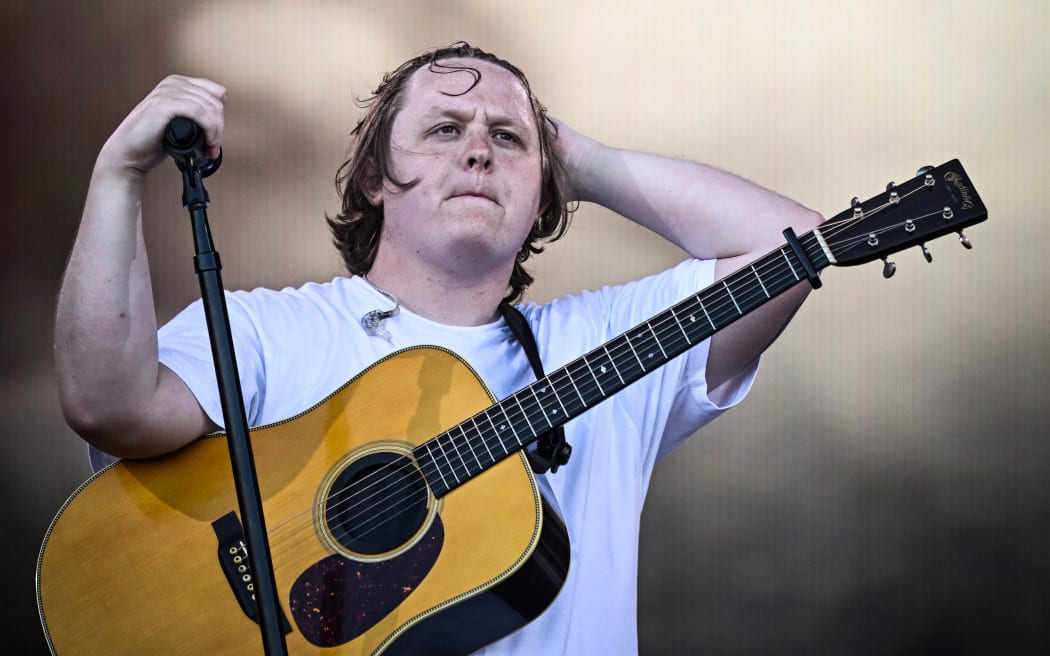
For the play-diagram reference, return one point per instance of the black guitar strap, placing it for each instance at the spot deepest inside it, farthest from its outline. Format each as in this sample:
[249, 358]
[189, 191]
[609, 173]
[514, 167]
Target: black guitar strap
[552, 451]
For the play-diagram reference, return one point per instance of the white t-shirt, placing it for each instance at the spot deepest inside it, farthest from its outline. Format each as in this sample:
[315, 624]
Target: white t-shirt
[296, 346]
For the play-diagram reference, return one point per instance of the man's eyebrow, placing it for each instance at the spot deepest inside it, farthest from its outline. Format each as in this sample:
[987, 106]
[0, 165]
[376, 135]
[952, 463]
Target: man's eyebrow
[437, 111]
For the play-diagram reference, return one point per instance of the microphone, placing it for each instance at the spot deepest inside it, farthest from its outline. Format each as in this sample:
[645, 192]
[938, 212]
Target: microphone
[184, 141]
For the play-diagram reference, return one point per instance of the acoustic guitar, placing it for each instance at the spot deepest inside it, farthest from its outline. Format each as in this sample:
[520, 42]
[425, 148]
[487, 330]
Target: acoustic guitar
[402, 514]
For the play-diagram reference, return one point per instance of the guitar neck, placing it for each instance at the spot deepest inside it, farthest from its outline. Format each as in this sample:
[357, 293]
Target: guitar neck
[474, 445]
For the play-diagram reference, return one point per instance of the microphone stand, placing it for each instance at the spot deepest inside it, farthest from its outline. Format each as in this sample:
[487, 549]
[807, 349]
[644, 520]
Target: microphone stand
[206, 262]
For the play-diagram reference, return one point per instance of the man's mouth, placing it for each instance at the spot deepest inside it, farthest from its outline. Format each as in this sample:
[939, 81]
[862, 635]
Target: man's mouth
[473, 194]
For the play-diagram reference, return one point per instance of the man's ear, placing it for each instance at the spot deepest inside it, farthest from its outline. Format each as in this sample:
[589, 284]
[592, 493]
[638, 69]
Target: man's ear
[372, 185]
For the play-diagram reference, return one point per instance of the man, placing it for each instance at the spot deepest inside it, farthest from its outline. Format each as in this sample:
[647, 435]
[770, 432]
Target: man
[462, 173]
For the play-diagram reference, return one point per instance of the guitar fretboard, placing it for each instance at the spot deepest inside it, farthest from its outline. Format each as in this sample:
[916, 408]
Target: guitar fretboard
[471, 447]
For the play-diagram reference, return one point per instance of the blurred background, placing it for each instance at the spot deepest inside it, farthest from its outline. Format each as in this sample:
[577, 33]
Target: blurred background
[883, 490]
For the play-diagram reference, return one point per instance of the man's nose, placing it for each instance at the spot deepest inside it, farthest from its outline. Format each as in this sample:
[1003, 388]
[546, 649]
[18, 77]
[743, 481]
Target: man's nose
[479, 152]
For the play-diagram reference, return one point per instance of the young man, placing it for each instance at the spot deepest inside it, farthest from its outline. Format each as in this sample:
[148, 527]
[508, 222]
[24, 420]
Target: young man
[455, 175]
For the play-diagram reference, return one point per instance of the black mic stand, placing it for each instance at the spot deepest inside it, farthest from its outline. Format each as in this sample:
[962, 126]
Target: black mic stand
[183, 141]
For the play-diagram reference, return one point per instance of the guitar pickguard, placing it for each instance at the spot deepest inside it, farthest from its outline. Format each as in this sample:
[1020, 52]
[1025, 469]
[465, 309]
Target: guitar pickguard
[338, 599]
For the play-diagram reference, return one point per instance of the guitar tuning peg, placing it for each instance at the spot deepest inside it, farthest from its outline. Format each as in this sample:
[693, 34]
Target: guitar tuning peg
[891, 185]
[923, 170]
[965, 240]
[888, 268]
[855, 202]
[926, 253]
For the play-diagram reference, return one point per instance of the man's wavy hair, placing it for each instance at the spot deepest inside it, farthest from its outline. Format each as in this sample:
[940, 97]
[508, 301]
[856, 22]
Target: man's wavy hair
[357, 228]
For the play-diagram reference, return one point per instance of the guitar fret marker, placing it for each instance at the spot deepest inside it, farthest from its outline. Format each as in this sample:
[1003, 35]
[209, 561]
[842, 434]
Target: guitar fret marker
[657, 339]
[557, 397]
[596, 381]
[543, 390]
[674, 315]
[512, 430]
[539, 403]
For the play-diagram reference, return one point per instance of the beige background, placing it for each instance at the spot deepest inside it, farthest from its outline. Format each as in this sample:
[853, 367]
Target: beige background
[883, 488]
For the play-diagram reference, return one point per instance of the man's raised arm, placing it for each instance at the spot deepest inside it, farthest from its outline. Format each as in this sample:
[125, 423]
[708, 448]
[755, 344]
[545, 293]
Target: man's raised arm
[710, 214]
[112, 389]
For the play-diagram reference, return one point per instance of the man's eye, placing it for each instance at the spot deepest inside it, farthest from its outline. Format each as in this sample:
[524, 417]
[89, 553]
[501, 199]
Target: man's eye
[503, 135]
[447, 129]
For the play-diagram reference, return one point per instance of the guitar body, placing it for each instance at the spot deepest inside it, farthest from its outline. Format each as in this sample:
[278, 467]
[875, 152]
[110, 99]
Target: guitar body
[133, 564]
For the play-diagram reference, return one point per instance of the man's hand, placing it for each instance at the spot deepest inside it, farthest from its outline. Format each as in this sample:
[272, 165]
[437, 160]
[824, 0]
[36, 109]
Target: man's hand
[136, 145]
[576, 153]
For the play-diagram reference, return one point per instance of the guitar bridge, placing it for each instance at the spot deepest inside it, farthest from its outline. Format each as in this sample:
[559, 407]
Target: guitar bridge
[233, 560]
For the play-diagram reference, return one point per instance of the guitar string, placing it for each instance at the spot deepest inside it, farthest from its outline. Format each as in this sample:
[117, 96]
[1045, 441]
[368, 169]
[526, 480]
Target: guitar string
[828, 229]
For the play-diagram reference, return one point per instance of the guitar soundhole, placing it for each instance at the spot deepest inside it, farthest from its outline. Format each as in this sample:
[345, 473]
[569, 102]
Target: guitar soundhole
[377, 504]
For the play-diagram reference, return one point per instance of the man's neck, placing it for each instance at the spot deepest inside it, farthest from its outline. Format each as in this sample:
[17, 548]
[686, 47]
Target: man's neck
[455, 298]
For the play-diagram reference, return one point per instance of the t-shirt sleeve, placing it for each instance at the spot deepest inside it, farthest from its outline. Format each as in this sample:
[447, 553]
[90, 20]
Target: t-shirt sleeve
[185, 349]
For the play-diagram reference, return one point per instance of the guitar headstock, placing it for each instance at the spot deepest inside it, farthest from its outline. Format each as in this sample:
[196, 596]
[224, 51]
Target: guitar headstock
[936, 202]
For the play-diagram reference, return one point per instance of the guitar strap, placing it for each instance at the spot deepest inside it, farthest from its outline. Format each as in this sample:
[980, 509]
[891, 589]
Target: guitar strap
[552, 451]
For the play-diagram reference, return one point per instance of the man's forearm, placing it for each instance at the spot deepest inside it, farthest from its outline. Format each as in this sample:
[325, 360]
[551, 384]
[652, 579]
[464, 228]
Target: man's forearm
[105, 324]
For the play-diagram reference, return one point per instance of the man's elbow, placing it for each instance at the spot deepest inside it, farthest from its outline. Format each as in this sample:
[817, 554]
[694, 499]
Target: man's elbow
[112, 429]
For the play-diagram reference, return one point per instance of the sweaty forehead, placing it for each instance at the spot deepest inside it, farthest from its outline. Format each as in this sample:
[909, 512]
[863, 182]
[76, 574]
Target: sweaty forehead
[459, 78]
